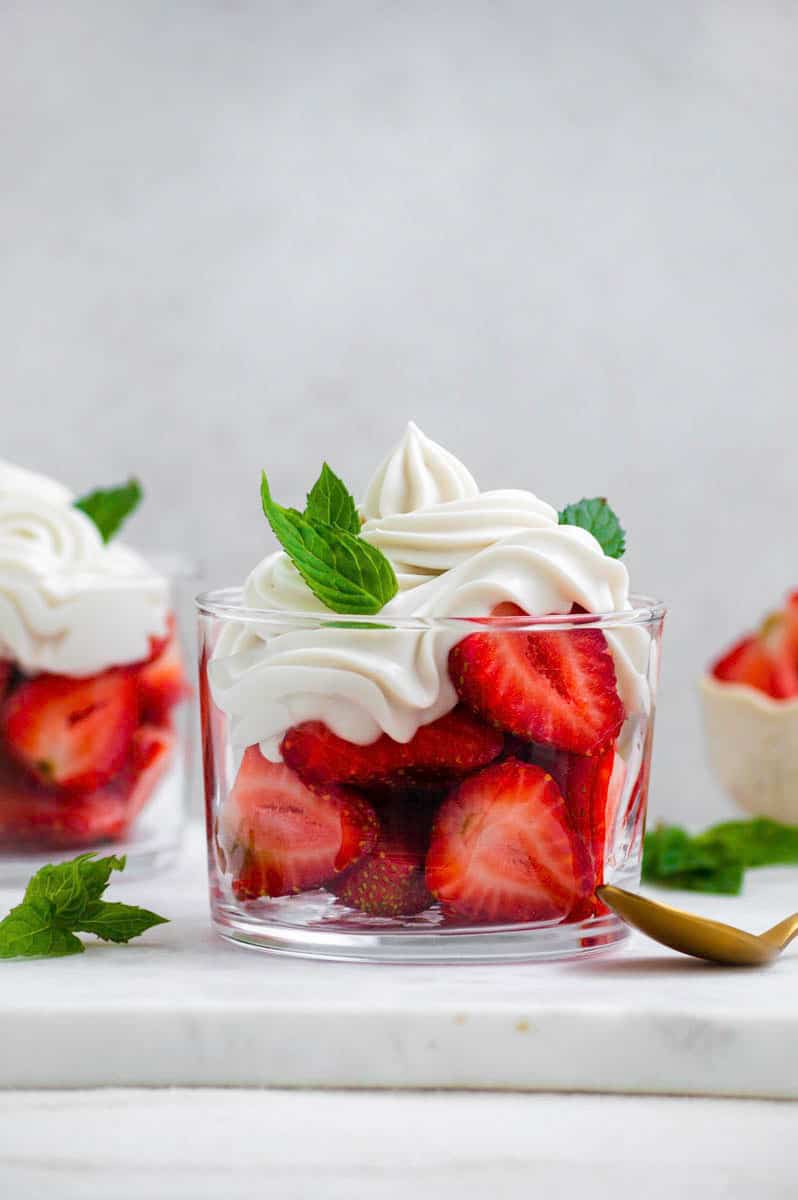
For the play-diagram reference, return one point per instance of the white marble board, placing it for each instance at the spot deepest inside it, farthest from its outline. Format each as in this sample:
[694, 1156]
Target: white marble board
[181, 1007]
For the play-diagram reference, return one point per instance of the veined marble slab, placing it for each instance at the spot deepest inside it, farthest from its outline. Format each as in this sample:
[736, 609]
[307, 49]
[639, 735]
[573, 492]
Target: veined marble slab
[181, 1007]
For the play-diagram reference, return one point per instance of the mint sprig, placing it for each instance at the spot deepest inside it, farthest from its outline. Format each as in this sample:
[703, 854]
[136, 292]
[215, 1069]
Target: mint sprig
[346, 573]
[63, 900]
[330, 501]
[597, 518]
[109, 507]
[717, 859]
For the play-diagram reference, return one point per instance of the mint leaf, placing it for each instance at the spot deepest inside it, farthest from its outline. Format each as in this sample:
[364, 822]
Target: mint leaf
[597, 518]
[64, 899]
[95, 872]
[347, 574]
[672, 858]
[716, 860]
[330, 501]
[109, 507]
[70, 886]
[117, 922]
[30, 932]
[758, 843]
[60, 891]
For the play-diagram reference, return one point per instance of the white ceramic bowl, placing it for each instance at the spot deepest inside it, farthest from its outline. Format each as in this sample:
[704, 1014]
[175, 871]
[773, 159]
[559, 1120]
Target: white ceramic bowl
[752, 741]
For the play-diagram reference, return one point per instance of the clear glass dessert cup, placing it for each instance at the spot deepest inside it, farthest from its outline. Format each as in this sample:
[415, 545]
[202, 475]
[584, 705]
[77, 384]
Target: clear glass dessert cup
[99, 763]
[481, 837]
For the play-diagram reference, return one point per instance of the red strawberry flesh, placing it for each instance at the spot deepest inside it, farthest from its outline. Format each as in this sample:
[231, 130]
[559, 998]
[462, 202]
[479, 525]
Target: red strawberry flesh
[557, 688]
[32, 814]
[767, 660]
[447, 748]
[278, 836]
[503, 849]
[71, 733]
[162, 681]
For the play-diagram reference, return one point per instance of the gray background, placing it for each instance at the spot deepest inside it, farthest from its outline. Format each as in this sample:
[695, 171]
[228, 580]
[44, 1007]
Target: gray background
[561, 236]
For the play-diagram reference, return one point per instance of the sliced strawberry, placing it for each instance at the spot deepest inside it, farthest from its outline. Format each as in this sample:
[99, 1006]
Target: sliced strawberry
[277, 836]
[71, 733]
[389, 882]
[32, 814]
[447, 748]
[585, 783]
[749, 662]
[558, 688]
[503, 849]
[151, 755]
[162, 681]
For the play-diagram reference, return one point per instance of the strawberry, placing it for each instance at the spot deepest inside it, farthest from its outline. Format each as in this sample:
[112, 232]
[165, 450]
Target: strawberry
[71, 733]
[151, 755]
[584, 781]
[389, 882]
[558, 688]
[162, 680]
[503, 848]
[277, 836]
[768, 659]
[447, 748]
[33, 814]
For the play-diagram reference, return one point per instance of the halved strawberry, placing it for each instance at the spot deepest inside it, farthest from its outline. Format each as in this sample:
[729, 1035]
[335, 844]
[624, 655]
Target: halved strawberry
[749, 662]
[32, 814]
[151, 755]
[447, 748]
[768, 659]
[503, 849]
[389, 882]
[71, 733]
[277, 836]
[558, 688]
[584, 781]
[162, 680]
[6, 674]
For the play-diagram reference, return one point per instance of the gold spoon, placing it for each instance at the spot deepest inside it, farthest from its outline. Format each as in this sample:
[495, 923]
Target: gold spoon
[696, 935]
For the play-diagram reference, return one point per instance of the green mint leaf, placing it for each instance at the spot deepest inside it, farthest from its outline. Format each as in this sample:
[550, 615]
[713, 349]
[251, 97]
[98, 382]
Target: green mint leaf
[59, 891]
[117, 922]
[347, 574]
[96, 872]
[109, 507]
[759, 842]
[29, 931]
[716, 860]
[330, 502]
[597, 518]
[69, 886]
[64, 899]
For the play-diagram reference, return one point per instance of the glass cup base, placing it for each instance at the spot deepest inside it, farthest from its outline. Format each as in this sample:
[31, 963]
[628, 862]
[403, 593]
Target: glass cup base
[456, 947]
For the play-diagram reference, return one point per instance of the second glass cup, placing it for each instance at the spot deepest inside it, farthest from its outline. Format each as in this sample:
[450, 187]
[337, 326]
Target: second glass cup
[481, 835]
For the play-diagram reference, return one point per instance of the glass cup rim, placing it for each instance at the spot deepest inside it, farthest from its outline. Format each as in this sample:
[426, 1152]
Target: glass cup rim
[226, 604]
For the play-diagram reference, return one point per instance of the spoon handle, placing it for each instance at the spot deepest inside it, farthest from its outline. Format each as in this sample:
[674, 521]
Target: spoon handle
[782, 934]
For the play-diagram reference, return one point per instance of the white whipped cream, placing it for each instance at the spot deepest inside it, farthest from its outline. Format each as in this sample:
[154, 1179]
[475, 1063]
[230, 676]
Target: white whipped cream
[457, 552]
[69, 604]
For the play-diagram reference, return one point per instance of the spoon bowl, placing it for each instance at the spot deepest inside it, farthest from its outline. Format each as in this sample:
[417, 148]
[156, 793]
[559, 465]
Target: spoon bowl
[698, 936]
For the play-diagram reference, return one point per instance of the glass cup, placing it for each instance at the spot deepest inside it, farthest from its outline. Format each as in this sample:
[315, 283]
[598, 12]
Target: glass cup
[139, 810]
[481, 839]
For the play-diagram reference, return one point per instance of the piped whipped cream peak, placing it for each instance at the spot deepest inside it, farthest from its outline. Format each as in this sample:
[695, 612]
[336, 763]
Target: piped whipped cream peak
[417, 474]
[457, 552]
[69, 603]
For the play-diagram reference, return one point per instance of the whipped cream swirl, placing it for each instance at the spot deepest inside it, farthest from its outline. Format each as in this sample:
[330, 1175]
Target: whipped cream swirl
[69, 604]
[457, 552]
